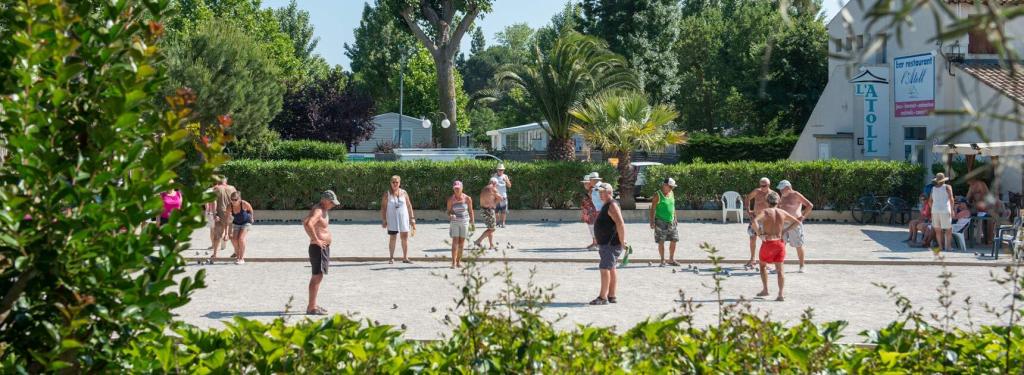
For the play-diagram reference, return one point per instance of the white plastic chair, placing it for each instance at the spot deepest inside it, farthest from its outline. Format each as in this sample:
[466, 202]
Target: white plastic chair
[732, 202]
[958, 230]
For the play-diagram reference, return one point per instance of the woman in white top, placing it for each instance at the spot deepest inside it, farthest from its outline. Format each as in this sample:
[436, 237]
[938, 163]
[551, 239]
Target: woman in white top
[942, 211]
[503, 184]
[397, 217]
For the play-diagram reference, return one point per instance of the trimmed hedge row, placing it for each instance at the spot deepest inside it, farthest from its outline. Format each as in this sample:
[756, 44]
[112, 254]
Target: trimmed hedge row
[713, 149]
[834, 183]
[296, 150]
[292, 185]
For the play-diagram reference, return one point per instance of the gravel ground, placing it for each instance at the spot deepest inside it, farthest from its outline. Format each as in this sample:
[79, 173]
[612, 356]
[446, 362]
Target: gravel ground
[373, 290]
[566, 241]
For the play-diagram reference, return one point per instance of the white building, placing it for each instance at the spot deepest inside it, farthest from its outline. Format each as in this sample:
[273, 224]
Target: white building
[387, 124]
[883, 108]
[529, 137]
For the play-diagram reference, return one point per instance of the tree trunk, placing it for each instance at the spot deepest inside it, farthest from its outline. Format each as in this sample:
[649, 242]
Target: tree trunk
[562, 149]
[446, 100]
[627, 182]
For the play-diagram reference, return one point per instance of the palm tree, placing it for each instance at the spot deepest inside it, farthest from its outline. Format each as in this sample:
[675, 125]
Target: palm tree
[624, 122]
[577, 67]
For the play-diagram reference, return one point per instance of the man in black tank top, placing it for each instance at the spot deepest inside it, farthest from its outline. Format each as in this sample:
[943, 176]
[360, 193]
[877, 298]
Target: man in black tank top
[611, 239]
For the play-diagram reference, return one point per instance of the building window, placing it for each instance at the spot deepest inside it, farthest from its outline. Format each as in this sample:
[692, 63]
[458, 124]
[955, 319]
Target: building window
[406, 138]
[977, 42]
[880, 55]
[915, 133]
[512, 142]
[849, 43]
[839, 44]
[860, 42]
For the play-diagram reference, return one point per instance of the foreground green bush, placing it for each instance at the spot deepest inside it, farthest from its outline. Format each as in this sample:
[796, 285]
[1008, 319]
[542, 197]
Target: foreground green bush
[508, 335]
[834, 183]
[713, 149]
[293, 150]
[295, 185]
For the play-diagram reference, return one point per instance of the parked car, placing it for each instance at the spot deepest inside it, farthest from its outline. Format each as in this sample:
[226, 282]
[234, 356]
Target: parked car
[440, 154]
[641, 179]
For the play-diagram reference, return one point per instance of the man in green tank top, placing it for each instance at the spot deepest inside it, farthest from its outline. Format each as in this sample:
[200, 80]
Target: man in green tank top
[663, 221]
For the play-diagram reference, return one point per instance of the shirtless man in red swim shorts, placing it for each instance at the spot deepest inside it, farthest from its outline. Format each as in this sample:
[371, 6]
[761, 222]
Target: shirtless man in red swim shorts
[771, 224]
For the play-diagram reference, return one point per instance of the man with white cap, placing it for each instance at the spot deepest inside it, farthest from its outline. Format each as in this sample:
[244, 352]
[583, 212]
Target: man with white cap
[663, 220]
[588, 207]
[489, 199]
[800, 207]
[503, 184]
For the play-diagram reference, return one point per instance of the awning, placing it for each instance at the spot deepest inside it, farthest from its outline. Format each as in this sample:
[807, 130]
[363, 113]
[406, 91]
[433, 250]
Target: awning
[996, 149]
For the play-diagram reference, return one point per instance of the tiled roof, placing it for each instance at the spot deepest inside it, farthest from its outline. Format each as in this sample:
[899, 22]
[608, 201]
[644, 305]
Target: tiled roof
[999, 78]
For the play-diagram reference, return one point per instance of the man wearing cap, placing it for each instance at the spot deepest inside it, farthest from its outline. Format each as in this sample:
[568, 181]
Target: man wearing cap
[595, 200]
[756, 202]
[663, 221]
[489, 199]
[315, 224]
[942, 211]
[797, 205]
[503, 184]
[587, 211]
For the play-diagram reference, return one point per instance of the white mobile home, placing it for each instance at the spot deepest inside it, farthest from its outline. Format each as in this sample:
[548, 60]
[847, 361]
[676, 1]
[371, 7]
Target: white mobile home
[884, 108]
[529, 137]
[387, 124]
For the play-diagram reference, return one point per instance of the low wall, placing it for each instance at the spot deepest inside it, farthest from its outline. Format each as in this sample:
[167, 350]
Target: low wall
[633, 216]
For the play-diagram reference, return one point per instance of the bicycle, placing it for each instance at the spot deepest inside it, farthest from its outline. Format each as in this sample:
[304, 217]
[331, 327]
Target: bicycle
[868, 209]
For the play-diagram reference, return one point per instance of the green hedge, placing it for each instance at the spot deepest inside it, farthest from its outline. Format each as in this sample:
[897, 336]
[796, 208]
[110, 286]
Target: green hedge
[835, 183]
[291, 185]
[710, 148]
[295, 150]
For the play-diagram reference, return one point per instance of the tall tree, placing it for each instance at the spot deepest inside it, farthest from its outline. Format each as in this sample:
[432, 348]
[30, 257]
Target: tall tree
[569, 19]
[421, 94]
[478, 42]
[644, 31]
[229, 74]
[622, 123]
[295, 23]
[257, 23]
[376, 54]
[327, 110]
[577, 67]
[439, 26]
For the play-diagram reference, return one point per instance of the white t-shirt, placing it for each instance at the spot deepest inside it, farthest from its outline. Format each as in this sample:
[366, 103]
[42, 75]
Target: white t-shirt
[940, 199]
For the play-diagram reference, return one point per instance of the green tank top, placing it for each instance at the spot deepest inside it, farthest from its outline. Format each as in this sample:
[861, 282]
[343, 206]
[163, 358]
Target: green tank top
[666, 210]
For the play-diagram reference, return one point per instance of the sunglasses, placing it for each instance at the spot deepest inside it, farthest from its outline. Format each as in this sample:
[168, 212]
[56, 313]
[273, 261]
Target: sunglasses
[234, 200]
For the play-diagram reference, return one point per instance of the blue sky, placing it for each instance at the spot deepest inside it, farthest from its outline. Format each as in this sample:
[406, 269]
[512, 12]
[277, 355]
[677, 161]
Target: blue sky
[335, 19]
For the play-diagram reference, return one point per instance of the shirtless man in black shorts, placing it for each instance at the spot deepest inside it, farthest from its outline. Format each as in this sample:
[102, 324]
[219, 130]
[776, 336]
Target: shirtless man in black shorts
[315, 225]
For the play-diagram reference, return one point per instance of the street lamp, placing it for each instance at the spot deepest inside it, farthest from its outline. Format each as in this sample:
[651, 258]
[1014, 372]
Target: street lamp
[404, 51]
[444, 123]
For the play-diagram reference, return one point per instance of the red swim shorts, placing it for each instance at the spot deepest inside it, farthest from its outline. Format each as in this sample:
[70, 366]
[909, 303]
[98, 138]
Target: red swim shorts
[773, 251]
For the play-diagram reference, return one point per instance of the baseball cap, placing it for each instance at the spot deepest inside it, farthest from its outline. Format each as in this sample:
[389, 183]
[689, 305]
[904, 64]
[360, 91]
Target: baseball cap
[457, 184]
[784, 184]
[329, 195]
[669, 181]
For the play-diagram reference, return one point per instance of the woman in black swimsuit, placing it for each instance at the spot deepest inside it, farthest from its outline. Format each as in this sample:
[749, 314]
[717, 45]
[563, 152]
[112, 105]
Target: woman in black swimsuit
[241, 220]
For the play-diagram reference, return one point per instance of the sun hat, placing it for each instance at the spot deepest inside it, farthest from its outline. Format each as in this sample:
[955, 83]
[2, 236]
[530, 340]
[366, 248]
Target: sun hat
[594, 176]
[940, 177]
[457, 184]
[501, 166]
[669, 181]
[329, 195]
[784, 184]
[586, 178]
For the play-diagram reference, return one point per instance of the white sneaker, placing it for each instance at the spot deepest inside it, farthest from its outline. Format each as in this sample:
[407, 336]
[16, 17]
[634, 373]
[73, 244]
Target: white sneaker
[801, 269]
[239, 262]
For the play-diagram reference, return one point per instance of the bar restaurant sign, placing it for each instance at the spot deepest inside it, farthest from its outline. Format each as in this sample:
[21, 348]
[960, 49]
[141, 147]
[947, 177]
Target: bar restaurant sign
[914, 84]
[872, 84]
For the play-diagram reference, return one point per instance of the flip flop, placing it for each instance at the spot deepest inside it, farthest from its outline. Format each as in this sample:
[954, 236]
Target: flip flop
[780, 299]
[406, 261]
[673, 263]
[762, 294]
[599, 301]
[612, 299]
[317, 311]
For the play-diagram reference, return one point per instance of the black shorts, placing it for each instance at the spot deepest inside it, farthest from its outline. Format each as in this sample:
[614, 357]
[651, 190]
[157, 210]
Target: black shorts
[392, 232]
[319, 258]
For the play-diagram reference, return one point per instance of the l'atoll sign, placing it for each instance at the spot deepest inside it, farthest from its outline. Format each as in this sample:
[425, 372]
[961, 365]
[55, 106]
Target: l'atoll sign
[914, 85]
[873, 85]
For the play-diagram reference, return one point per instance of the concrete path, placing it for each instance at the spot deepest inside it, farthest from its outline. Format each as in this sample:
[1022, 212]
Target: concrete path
[567, 241]
[372, 290]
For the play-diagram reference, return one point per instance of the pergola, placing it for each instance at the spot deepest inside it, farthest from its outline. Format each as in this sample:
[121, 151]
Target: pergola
[994, 150]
